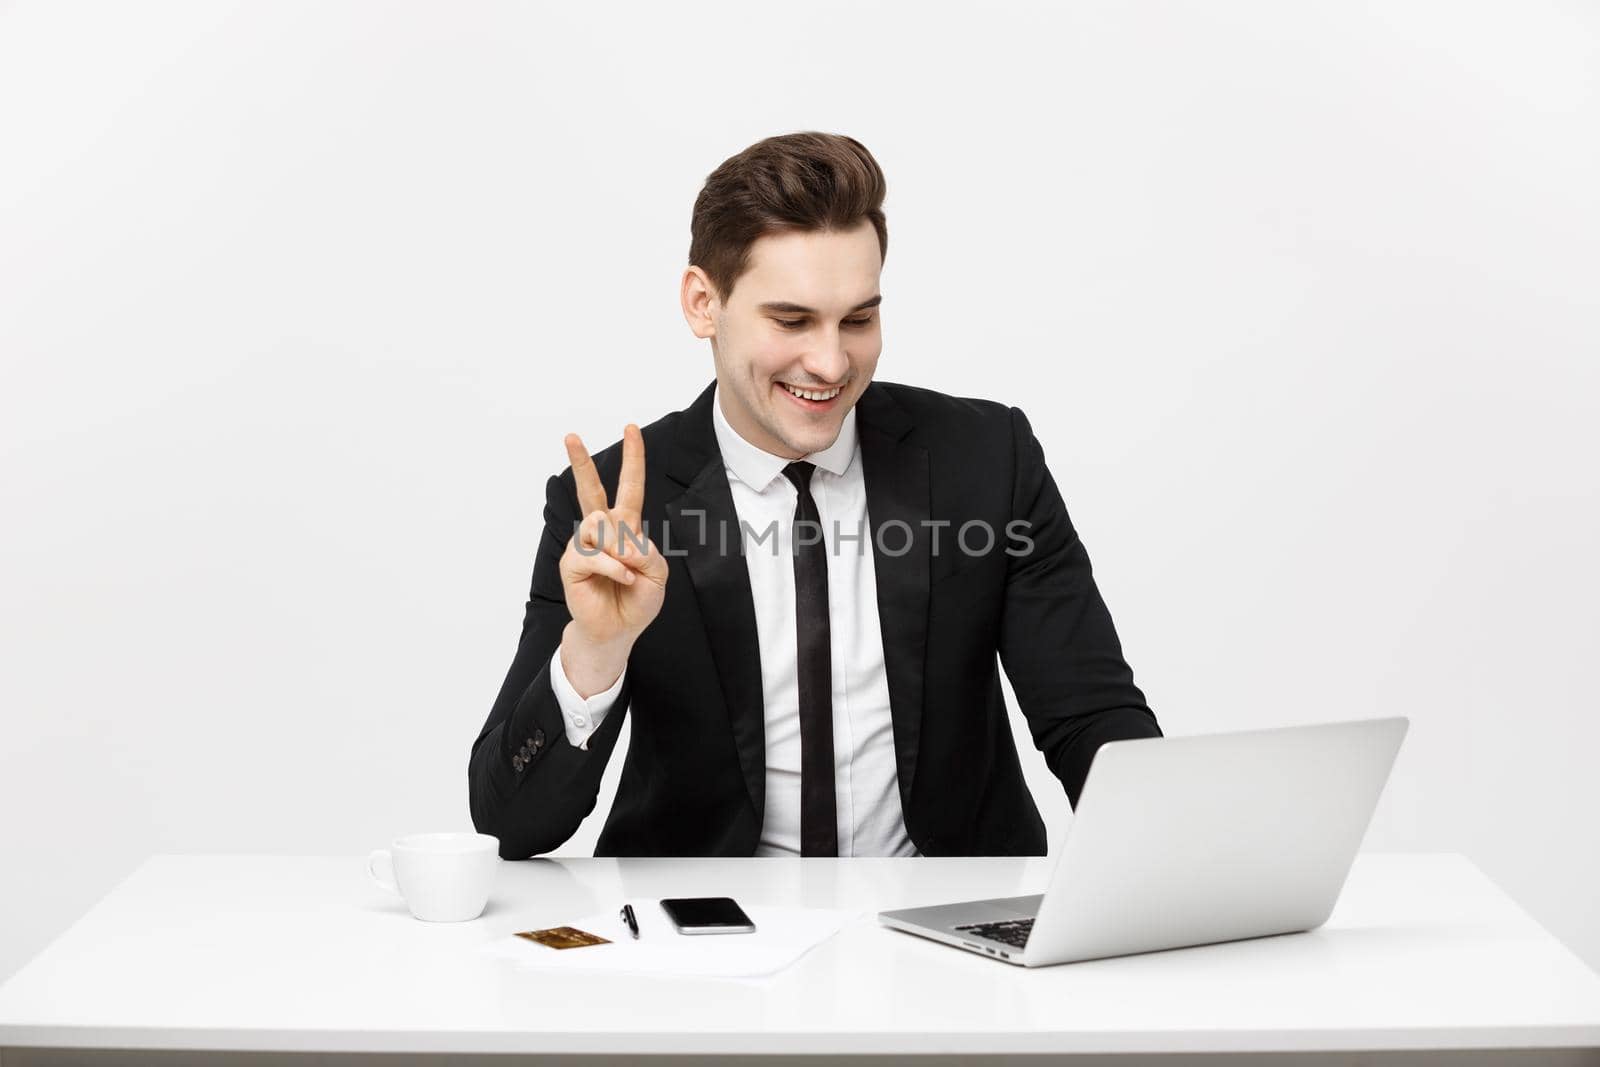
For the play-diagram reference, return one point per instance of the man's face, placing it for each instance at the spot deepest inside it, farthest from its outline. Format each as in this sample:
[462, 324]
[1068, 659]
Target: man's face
[803, 317]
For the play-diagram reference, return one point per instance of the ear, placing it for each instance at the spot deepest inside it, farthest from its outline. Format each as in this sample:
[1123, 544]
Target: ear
[700, 302]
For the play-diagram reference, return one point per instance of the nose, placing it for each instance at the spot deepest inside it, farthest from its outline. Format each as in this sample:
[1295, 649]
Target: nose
[827, 360]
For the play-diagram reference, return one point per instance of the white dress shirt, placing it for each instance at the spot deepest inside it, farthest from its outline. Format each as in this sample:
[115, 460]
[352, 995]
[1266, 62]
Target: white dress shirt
[866, 780]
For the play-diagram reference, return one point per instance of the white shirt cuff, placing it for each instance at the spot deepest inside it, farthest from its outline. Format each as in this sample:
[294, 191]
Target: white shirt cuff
[582, 717]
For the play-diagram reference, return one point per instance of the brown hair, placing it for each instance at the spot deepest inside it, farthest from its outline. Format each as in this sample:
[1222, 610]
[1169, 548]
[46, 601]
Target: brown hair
[795, 181]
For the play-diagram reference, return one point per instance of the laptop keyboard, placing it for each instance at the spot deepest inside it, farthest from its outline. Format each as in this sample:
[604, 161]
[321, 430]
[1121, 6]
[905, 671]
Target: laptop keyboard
[1013, 932]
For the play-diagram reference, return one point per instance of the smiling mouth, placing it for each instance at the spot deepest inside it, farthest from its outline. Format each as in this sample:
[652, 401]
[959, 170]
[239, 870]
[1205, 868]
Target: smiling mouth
[816, 396]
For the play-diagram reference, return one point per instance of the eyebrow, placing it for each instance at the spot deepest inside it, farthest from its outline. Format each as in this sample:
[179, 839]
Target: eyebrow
[786, 307]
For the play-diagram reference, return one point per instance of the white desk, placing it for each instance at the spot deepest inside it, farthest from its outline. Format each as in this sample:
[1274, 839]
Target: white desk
[304, 954]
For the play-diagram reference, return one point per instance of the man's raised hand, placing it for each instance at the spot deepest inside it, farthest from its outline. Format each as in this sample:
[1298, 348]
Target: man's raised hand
[614, 578]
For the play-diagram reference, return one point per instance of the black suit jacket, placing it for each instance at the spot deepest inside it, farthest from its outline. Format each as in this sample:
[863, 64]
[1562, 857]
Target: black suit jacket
[693, 782]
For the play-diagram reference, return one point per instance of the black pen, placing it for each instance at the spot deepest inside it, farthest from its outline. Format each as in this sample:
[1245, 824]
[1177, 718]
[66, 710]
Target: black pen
[627, 917]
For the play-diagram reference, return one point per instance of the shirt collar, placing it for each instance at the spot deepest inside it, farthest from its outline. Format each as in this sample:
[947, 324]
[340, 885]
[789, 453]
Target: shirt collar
[757, 467]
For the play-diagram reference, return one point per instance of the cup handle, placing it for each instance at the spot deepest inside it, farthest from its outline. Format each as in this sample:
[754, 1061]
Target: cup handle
[380, 859]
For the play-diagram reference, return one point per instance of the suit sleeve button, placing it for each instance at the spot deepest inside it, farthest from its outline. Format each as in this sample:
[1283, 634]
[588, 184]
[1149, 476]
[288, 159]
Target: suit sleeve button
[538, 737]
[516, 761]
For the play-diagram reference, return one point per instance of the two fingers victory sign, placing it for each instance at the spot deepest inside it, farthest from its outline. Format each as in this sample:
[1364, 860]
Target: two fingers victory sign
[613, 576]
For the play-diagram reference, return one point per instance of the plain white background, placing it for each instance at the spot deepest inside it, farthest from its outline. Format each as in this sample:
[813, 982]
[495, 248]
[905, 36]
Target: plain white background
[297, 300]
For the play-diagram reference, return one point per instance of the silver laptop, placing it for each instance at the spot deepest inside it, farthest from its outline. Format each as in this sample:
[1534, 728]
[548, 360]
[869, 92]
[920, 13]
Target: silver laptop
[1189, 841]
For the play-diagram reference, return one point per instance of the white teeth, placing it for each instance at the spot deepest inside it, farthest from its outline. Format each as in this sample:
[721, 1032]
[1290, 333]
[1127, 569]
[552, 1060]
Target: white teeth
[810, 394]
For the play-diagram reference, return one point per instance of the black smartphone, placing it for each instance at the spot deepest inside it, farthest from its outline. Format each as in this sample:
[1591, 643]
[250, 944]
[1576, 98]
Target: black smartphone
[707, 915]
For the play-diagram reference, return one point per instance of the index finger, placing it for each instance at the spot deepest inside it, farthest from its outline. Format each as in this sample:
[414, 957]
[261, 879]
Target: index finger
[591, 494]
[630, 484]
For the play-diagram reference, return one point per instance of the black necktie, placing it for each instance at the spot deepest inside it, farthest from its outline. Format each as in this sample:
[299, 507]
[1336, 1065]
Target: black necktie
[819, 835]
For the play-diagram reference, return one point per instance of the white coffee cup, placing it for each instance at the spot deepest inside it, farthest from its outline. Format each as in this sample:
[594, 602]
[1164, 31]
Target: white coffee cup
[443, 878]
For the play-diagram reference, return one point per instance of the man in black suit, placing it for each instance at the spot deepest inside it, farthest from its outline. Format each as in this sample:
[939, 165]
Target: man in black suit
[805, 600]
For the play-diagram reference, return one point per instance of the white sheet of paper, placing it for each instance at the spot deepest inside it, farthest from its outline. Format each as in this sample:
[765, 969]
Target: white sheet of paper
[782, 935]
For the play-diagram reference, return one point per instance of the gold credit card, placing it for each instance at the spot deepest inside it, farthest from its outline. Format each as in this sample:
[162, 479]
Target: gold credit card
[563, 937]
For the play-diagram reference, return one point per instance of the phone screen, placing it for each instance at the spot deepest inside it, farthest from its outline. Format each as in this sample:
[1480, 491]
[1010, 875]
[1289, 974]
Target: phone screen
[705, 911]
